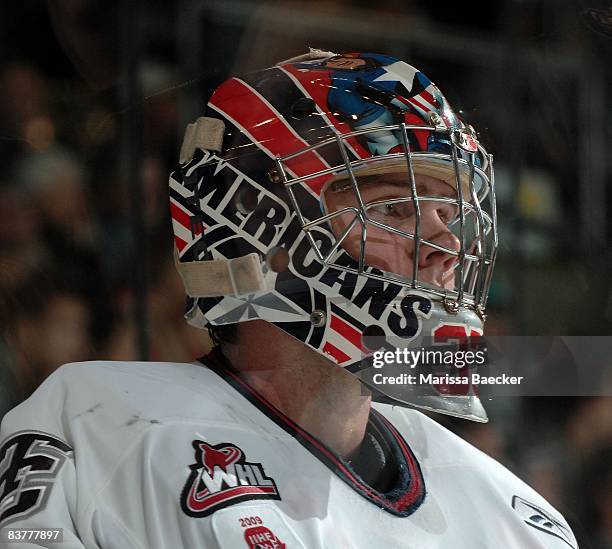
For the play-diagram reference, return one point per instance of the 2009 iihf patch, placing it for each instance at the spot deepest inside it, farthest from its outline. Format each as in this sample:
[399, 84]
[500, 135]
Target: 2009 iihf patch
[258, 537]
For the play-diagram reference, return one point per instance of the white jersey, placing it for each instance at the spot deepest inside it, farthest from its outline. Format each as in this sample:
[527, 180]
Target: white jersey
[163, 455]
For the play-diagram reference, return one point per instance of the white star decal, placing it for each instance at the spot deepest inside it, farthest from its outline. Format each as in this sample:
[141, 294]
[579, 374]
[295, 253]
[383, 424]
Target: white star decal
[231, 309]
[398, 72]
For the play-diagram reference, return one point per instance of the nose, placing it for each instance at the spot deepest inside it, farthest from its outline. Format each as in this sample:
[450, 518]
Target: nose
[434, 229]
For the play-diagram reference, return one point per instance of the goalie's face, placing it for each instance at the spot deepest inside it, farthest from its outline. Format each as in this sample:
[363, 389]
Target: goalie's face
[389, 206]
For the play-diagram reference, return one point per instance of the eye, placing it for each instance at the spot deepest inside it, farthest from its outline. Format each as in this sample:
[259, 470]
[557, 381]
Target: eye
[448, 214]
[397, 211]
[385, 209]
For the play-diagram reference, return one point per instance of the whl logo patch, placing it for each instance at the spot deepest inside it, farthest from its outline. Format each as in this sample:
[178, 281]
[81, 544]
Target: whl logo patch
[221, 476]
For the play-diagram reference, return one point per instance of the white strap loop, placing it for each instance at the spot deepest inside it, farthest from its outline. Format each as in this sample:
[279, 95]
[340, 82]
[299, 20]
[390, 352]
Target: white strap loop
[312, 54]
[221, 277]
[205, 133]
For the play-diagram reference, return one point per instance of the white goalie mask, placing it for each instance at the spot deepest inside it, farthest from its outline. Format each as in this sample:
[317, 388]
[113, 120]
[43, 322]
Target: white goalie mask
[340, 198]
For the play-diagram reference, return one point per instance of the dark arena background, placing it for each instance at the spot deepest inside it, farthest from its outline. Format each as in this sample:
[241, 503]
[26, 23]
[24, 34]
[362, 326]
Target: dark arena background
[94, 97]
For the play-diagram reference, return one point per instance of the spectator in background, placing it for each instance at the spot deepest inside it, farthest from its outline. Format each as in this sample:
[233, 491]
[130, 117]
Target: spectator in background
[49, 322]
[160, 83]
[21, 245]
[24, 106]
[56, 182]
[171, 338]
[594, 485]
[589, 436]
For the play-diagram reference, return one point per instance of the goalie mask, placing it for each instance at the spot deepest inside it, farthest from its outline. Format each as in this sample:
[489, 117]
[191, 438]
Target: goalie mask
[340, 198]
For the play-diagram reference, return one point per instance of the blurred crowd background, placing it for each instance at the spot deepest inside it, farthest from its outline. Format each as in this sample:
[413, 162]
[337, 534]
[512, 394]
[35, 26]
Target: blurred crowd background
[94, 96]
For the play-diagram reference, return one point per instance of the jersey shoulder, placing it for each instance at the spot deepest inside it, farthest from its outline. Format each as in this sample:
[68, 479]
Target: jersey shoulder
[441, 448]
[123, 392]
[484, 478]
